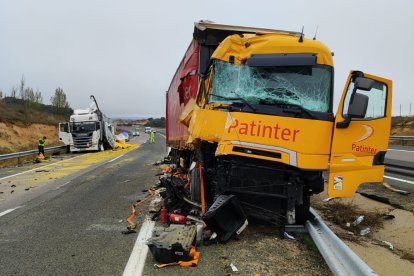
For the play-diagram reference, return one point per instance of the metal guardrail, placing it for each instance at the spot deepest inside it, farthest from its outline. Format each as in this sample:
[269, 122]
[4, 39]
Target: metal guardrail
[338, 256]
[28, 152]
[402, 139]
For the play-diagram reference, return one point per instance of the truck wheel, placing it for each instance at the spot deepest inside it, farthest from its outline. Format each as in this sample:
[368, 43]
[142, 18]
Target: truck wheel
[99, 146]
[302, 211]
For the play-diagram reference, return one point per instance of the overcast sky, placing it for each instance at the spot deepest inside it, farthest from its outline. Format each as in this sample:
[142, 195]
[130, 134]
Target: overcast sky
[126, 52]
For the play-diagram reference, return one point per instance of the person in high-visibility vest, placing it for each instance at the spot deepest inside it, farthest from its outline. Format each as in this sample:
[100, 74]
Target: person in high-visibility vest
[41, 145]
[152, 137]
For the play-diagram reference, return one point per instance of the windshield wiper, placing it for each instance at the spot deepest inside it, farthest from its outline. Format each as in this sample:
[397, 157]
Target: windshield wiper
[287, 107]
[235, 99]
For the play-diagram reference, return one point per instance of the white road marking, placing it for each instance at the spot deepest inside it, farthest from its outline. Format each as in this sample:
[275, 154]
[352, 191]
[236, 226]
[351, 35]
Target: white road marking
[9, 211]
[399, 179]
[112, 160]
[35, 169]
[162, 135]
[136, 261]
[412, 151]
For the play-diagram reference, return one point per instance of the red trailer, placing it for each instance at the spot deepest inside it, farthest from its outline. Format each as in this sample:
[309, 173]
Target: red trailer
[183, 87]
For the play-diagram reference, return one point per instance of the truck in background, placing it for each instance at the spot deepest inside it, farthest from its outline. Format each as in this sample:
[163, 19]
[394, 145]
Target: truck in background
[88, 130]
[254, 109]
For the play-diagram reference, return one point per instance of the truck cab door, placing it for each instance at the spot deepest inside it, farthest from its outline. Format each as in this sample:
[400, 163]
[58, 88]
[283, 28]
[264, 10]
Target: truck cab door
[361, 133]
[64, 133]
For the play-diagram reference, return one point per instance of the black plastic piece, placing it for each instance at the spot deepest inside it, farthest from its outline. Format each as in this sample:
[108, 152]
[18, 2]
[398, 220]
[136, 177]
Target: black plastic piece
[172, 244]
[225, 217]
[379, 158]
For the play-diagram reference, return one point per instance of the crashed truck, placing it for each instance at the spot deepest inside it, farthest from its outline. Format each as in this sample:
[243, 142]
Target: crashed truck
[254, 109]
[88, 130]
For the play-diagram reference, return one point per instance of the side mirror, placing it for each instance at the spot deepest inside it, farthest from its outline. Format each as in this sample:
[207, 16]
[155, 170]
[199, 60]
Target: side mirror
[358, 107]
[364, 83]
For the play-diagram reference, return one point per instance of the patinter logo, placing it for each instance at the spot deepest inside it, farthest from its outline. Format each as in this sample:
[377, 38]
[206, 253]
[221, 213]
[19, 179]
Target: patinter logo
[266, 131]
[369, 131]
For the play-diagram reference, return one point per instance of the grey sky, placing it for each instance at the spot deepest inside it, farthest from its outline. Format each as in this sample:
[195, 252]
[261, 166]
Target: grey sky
[126, 52]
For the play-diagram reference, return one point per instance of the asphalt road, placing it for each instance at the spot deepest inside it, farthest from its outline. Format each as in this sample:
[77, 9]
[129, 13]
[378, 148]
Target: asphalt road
[76, 229]
[400, 156]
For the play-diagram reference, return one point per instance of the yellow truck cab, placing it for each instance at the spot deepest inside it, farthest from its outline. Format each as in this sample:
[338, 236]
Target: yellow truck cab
[261, 121]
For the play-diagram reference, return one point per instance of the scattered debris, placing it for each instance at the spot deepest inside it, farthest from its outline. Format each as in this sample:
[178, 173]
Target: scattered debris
[27, 189]
[328, 199]
[172, 244]
[12, 191]
[358, 220]
[156, 204]
[233, 268]
[365, 231]
[126, 181]
[388, 217]
[226, 217]
[348, 224]
[13, 186]
[288, 236]
[42, 171]
[388, 244]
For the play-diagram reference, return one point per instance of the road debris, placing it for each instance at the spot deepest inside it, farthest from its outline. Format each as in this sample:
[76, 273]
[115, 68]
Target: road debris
[288, 236]
[328, 199]
[358, 220]
[365, 231]
[233, 268]
[388, 244]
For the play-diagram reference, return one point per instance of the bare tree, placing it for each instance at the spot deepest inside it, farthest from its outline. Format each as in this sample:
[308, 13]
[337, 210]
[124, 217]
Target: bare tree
[1, 94]
[22, 88]
[38, 97]
[13, 92]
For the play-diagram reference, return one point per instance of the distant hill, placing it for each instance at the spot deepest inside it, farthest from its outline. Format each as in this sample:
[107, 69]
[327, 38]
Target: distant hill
[18, 110]
[157, 122]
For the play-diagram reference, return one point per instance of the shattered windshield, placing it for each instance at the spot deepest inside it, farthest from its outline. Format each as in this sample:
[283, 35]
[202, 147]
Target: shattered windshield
[307, 86]
[83, 127]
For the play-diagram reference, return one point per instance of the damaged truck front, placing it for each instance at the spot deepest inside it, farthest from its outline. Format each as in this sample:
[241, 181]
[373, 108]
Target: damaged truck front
[254, 109]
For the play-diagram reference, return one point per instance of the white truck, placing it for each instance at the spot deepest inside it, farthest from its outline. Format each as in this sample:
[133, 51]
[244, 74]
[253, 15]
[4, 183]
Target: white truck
[88, 130]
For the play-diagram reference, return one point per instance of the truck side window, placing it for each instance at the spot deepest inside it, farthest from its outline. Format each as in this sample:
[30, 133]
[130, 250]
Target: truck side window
[64, 128]
[376, 104]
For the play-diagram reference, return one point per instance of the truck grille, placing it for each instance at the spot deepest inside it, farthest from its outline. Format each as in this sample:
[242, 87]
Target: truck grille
[82, 141]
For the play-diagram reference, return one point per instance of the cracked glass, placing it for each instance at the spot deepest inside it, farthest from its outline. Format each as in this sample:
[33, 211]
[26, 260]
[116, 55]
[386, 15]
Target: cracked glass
[307, 86]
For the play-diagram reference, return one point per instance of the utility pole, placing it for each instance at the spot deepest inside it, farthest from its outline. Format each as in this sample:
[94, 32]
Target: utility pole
[400, 110]
[410, 109]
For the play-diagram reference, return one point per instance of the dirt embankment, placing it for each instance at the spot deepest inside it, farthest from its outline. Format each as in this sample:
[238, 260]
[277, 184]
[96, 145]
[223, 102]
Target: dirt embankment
[19, 136]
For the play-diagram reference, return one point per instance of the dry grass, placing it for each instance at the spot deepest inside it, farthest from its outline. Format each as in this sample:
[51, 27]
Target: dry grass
[20, 137]
[343, 213]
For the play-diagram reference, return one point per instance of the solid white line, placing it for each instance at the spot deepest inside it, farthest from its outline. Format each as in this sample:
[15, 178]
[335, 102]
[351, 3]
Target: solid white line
[412, 151]
[136, 261]
[399, 179]
[112, 160]
[162, 135]
[9, 211]
[38, 168]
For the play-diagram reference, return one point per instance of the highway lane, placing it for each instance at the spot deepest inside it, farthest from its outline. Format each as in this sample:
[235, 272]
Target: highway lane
[400, 156]
[75, 229]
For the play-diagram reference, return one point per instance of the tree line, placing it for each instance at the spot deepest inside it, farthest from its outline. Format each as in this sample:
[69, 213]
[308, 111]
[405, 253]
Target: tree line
[33, 99]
